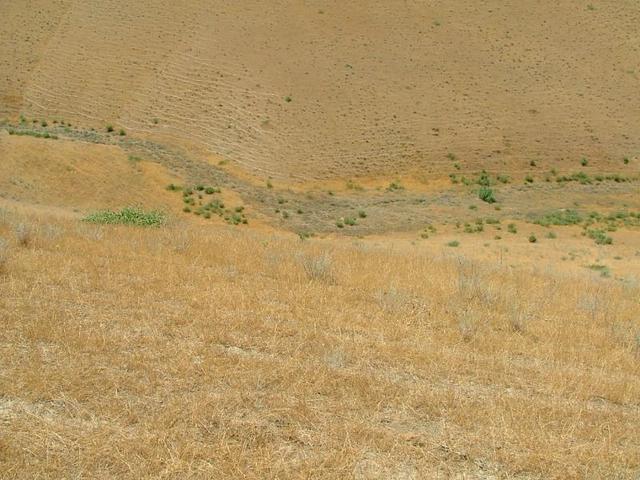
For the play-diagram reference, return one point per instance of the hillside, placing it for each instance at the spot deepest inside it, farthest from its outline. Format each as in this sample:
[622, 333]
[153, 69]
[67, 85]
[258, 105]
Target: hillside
[314, 91]
[390, 240]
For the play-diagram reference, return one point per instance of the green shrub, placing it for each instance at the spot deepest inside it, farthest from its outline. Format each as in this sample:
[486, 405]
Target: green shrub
[600, 237]
[362, 214]
[453, 243]
[486, 195]
[532, 239]
[560, 217]
[584, 162]
[109, 128]
[127, 216]
[511, 228]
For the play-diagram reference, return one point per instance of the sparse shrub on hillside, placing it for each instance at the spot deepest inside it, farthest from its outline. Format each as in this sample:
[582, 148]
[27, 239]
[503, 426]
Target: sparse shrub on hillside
[4, 255]
[533, 238]
[351, 185]
[486, 195]
[24, 234]
[122, 133]
[318, 267]
[32, 133]
[288, 99]
[362, 214]
[127, 216]
[44, 123]
[483, 179]
[395, 186]
[600, 237]
[560, 217]
[109, 128]
[528, 179]
[503, 178]
[603, 269]
[625, 160]
[511, 228]
[451, 156]
[584, 162]
[350, 221]
[269, 184]
[453, 243]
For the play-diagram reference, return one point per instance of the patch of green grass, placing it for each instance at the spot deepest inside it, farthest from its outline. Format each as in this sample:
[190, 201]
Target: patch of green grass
[533, 238]
[560, 217]
[600, 237]
[511, 228]
[32, 133]
[453, 243]
[603, 269]
[127, 216]
[486, 195]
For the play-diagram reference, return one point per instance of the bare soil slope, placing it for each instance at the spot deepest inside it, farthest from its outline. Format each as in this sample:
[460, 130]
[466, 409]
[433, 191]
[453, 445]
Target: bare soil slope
[311, 91]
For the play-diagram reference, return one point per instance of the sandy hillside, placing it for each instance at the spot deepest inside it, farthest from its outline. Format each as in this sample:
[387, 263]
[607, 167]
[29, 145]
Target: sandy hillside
[320, 90]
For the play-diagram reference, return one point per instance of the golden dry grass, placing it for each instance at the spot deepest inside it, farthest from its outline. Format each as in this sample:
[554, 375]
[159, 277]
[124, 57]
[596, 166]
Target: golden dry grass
[189, 352]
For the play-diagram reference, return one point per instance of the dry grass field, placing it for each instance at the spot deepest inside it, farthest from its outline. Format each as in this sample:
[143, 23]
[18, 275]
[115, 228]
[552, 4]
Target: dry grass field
[363, 240]
[187, 352]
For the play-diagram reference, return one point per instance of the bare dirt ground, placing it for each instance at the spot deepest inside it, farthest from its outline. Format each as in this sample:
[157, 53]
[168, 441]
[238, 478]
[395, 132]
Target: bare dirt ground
[329, 295]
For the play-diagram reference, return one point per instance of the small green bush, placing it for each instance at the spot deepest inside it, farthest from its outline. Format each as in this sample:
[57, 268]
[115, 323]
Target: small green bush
[127, 216]
[486, 195]
[533, 239]
[453, 243]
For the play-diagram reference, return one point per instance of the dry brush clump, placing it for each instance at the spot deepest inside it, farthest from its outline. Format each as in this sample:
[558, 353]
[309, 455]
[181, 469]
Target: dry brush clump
[222, 359]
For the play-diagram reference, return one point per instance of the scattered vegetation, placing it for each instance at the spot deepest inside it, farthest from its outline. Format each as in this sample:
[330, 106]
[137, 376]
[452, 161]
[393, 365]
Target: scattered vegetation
[395, 186]
[32, 133]
[453, 243]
